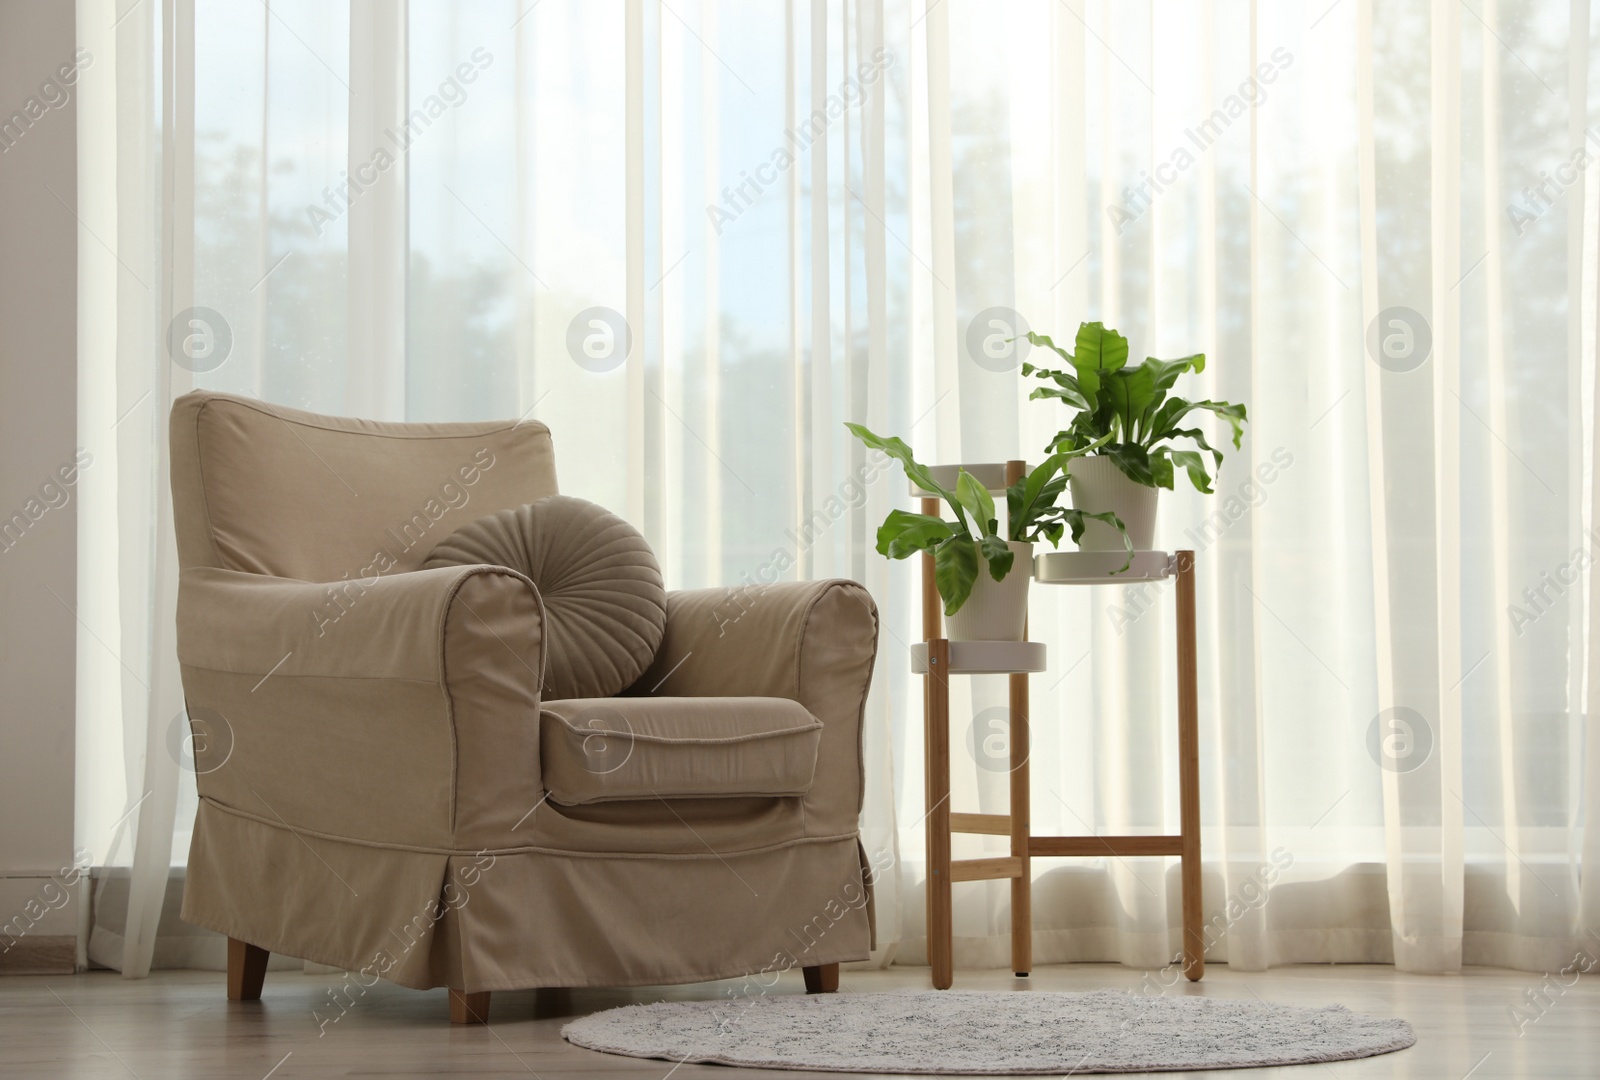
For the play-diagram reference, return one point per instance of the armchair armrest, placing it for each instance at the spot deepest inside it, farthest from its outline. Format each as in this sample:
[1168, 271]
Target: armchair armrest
[811, 641]
[399, 710]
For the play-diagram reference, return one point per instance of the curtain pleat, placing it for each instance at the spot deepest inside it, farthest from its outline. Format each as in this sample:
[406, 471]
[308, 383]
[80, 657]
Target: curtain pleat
[1583, 821]
[711, 394]
[1499, 482]
[155, 622]
[1579, 435]
[128, 612]
[375, 379]
[1445, 202]
[641, 452]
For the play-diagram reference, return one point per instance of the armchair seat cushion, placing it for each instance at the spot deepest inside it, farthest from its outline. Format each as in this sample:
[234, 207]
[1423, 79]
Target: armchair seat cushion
[614, 749]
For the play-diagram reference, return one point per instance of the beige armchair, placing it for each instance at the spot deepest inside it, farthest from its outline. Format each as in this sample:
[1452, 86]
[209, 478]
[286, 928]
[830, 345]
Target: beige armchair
[383, 789]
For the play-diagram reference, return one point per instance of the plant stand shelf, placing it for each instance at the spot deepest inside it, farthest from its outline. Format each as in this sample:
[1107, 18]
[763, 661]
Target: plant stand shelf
[1099, 567]
[936, 659]
[984, 657]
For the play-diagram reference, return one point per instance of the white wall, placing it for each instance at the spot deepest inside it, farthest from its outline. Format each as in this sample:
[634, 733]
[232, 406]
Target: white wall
[38, 423]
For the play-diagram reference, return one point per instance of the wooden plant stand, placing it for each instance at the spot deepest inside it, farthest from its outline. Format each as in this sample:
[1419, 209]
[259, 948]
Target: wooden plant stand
[936, 659]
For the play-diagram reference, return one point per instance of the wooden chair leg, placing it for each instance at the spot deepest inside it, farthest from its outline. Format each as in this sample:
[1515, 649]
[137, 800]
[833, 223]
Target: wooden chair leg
[823, 979]
[247, 969]
[469, 1008]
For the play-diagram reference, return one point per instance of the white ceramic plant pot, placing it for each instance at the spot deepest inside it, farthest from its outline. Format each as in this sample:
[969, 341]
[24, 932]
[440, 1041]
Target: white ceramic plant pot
[996, 610]
[1097, 486]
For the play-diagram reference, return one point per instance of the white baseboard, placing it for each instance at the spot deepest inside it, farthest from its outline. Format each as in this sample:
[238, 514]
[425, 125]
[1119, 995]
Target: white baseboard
[38, 924]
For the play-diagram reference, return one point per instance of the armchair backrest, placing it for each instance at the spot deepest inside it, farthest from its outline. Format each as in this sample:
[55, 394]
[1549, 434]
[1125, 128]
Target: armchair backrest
[272, 490]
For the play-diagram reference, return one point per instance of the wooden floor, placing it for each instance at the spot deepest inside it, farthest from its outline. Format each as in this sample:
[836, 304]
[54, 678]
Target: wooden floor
[178, 1024]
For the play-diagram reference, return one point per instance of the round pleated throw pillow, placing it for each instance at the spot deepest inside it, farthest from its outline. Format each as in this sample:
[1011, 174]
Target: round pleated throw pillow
[605, 607]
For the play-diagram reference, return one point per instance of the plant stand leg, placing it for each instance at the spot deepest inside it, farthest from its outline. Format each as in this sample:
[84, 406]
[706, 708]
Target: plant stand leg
[1021, 800]
[937, 711]
[1021, 826]
[1194, 948]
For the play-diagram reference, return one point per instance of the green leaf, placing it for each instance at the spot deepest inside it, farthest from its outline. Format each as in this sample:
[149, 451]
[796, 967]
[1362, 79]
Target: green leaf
[1166, 372]
[1166, 420]
[998, 555]
[1133, 460]
[1073, 396]
[1077, 519]
[955, 568]
[897, 449]
[1199, 438]
[1066, 388]
[976, 500]
[1100, 351]
[1196, 466]
[1163, 374]
[1044, 341]
[1130, 393]
[1088, 447]
[1233, 414]
[904, 534]
[1079, 439]
[1033, 494]
[1161, 468]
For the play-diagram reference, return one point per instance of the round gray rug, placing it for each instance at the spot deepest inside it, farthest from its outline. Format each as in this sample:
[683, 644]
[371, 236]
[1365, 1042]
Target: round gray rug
[993, 1033]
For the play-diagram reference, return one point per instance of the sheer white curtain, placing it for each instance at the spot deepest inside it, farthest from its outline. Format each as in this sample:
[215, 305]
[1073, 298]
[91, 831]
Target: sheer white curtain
[694, 238]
